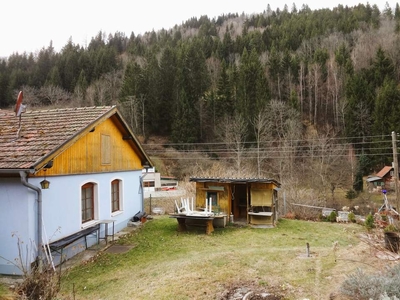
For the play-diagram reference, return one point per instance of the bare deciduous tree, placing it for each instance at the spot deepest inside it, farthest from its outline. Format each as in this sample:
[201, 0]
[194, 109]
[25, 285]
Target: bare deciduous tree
[328, 161]
[233, 134]
[261, 133]
[133, 110]
[105, 90]
[54, 95]
[49, 95]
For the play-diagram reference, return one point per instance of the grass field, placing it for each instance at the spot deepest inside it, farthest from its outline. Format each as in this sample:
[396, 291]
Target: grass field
[165, 264]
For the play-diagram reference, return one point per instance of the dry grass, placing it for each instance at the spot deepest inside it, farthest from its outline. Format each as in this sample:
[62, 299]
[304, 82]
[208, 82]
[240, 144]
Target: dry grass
[5, 294]
[165, 264]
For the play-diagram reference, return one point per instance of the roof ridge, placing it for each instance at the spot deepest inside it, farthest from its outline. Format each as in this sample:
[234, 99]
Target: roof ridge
[70, 108]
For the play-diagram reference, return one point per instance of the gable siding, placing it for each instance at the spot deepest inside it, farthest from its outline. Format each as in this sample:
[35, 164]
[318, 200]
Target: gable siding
[85, 155]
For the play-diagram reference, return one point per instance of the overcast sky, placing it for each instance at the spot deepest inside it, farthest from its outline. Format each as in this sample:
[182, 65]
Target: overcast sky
[29, 25]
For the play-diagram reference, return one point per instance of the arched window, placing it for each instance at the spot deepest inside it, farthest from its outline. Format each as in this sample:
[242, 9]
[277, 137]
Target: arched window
[87, 200]
[115, 195]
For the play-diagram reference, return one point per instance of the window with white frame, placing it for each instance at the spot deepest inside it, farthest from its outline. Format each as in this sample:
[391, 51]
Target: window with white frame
[116, 195]
[88, 202]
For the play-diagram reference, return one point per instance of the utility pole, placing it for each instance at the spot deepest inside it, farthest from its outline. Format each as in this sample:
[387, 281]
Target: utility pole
[396, 168]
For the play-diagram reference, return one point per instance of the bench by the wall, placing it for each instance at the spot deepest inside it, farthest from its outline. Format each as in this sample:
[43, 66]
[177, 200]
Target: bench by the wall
[58, 246]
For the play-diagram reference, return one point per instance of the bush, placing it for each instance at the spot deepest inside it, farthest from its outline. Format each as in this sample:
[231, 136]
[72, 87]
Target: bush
[376, 286]
[332, 216]
[351, 194]
[391, 228]
[43, 285]
[40, 282]
[290, 215]
[352, 217]
[369, 222]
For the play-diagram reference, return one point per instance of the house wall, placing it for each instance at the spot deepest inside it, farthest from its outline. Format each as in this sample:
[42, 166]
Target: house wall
[102, 150]
[61, 210]
[62, 204]
[18, 226]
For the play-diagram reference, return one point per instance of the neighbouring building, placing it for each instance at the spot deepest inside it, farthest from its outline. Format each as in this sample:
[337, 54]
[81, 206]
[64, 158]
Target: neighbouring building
[252, 199]
[384, 179]
[154, 181]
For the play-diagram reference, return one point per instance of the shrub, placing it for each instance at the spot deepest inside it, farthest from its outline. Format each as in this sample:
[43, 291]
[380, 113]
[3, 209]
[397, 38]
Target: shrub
[391, 228]
[37, 284]
[369, 222]
[332, 216]
[351, 194]
[352, 217]
[40, 282]
[376, 286]
[290, 215]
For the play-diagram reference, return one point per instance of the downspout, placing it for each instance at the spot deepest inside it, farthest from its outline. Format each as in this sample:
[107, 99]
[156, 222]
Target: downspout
[39, 216]
[141, 188]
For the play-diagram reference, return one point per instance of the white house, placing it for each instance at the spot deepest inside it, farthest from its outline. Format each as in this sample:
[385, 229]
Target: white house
[93, 163]
[153, 181]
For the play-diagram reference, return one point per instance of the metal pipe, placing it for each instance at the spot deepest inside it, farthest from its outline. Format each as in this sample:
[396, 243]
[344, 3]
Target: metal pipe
[39, 216]
[141, 189]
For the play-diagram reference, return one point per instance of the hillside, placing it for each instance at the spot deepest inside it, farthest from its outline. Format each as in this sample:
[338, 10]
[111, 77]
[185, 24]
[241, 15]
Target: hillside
[308, 97]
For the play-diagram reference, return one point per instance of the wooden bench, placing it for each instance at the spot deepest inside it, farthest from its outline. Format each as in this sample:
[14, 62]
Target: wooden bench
[59, 245]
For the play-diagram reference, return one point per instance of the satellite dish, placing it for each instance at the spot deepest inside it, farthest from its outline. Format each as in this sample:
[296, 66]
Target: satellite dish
[19, 108]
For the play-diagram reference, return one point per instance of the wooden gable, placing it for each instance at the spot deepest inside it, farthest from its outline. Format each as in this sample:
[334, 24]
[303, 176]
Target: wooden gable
[103, 149]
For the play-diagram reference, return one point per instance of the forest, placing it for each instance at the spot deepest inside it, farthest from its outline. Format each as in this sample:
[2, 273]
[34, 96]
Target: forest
[309, 97]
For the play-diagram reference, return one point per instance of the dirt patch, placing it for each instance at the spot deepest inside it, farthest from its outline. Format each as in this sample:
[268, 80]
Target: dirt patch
[251, 291]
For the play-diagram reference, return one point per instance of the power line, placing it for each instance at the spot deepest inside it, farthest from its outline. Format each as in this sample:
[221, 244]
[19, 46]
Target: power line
[298, 149]
[364, 140]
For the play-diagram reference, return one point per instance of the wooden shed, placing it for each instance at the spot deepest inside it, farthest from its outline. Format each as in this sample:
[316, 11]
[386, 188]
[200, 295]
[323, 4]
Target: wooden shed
[253, 200]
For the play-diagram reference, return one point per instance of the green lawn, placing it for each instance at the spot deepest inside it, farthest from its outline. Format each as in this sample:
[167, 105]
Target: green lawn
[165, 264]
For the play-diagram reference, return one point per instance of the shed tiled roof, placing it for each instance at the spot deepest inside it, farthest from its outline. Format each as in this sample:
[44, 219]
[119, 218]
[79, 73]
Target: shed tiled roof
[42, 132]
[382, 173]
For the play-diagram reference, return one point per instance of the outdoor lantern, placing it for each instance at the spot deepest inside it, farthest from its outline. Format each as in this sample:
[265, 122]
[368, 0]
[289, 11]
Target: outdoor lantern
[45, 184]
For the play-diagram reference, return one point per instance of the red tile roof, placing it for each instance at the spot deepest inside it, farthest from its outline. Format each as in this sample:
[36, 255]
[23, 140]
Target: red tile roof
[384, 171]
[42, 132]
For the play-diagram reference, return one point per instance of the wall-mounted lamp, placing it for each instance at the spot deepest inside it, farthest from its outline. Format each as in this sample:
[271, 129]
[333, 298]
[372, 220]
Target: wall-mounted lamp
[45, 184]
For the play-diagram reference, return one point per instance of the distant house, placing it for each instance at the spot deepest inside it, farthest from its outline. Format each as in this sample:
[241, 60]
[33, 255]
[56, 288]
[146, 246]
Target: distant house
[384, 179]
[254, 200]
[153, 181]
[93, 163]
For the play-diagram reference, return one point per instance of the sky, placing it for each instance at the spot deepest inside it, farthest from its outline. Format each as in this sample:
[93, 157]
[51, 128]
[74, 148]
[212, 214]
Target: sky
[29, 25]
